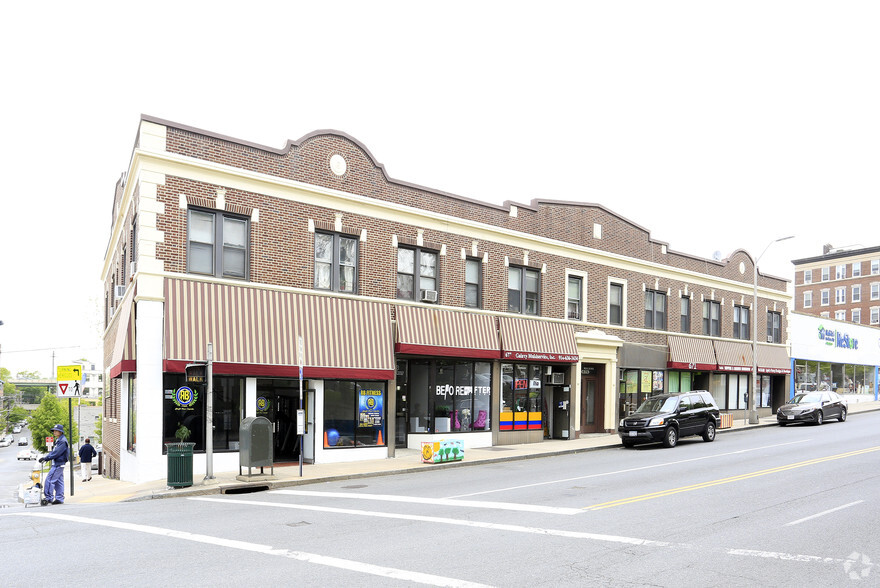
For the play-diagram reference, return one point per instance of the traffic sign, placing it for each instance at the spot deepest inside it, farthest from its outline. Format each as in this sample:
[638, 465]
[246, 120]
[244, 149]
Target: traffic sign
[69, 380]
[69, 372]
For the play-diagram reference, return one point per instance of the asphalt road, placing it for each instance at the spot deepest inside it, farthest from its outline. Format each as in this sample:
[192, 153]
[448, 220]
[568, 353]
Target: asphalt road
[12, 471]
[794, 506]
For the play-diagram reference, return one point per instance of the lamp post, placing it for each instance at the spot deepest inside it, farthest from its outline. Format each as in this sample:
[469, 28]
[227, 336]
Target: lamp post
[753, 412]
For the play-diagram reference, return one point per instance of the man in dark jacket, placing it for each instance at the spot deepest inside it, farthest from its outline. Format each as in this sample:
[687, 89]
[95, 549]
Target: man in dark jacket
[86, 453]
[54, 483]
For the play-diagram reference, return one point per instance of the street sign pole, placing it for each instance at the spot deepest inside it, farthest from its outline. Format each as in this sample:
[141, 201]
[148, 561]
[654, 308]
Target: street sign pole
[209, 409]
[69, 444]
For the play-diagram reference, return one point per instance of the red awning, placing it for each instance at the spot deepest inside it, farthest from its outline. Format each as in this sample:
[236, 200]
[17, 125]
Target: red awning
[255, 331]
[122, 356]
[537, 340]
[689, 353]
[446, 333]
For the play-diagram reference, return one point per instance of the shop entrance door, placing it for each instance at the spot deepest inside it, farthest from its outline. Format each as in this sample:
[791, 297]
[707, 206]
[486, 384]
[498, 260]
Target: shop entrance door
[278, 401]
[400, 420]
[592, 400]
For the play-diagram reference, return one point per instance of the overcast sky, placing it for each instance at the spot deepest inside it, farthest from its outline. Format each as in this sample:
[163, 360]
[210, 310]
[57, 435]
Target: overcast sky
[716, 126]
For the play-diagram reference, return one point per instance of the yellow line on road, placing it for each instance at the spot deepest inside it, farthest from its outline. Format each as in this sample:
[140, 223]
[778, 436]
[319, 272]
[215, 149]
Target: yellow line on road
[738, 478]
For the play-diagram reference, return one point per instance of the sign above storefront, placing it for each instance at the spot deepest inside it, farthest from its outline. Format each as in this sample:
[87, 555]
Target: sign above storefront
[539, 356]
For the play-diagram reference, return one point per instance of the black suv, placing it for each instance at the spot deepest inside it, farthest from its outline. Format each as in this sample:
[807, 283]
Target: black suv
[667, 417]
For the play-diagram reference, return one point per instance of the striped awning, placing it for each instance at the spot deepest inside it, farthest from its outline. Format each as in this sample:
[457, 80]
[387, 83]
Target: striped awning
[254, 331]
[733, 356]
[122, 356]
[773, 359]
[689, 353]
[446, 333]
[536, 340]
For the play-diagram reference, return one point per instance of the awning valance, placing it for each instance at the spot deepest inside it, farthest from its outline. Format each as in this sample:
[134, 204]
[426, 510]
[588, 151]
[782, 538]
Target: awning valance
[537, 340]
[447, 333]
[689, 353]
[254, 331]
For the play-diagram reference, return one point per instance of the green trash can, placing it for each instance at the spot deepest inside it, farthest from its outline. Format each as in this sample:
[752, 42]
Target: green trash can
[180, 464]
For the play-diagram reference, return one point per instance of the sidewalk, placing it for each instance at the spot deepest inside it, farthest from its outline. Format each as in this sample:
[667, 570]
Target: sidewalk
[101, 489]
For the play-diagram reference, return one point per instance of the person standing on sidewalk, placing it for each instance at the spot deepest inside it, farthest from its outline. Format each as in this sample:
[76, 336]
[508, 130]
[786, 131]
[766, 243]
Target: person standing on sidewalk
[54, 483]
[86, 453]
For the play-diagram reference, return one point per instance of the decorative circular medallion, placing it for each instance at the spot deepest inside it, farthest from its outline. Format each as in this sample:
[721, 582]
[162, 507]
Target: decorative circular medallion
[338, 165]
[742, 267]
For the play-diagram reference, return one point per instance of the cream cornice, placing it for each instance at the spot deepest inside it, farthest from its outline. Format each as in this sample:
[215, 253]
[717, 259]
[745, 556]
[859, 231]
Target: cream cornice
[237, 178]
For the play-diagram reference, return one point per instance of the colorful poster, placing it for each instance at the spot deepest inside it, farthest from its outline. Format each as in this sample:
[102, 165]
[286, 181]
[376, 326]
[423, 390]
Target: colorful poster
[370, 409]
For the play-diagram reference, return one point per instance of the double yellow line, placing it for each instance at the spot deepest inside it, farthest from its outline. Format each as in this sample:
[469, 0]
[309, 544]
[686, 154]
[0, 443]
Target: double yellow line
[711, 483]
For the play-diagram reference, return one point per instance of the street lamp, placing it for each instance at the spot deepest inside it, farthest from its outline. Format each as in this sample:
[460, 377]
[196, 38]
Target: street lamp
[753, 412]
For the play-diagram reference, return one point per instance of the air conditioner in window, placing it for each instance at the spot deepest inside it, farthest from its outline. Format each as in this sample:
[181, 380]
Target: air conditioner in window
[556, 379]
[428, 295]
[119, 292]
[132, 268]
[769, 338]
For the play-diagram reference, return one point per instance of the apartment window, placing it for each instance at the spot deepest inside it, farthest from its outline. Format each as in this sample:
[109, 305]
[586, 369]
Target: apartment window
[685, 305]
[522, 290]
[575, 298]
[826, 297]
[856, 269]
[711, 318]
[615, 304]
[336, 262]
[741, 322]
[826, 274]
[875, 267]
[857, 316]
[840, 315]
[473, 283]
[857, 293]
[416, 275]
[808, 276]
[808, 299]
[217, 244]
[875, 291]
[840, 295]
[774, 327]
[840, 273]
[875, 315]
[655, 310]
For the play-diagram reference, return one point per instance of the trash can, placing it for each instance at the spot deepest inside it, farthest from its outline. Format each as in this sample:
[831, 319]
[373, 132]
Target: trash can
[180, 464]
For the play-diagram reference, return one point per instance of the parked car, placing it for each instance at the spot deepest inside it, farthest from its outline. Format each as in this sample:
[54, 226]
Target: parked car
[812, 407]
[22, 440]
[666, 418]
[26, 454]
[6, 441]
[16, 429]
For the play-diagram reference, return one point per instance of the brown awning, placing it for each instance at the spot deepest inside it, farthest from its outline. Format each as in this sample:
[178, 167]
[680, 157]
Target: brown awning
[254, 331]
[447, 333]
[773, 360]
[537, 340]
[689, 353]
[733, 356]
[122, 356]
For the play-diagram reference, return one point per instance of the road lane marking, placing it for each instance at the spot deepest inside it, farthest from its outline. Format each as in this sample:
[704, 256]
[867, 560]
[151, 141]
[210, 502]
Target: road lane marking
[728, 480]
[626, 471]
[313, 558]
[823, 513]
[617, 539]
[438, 501]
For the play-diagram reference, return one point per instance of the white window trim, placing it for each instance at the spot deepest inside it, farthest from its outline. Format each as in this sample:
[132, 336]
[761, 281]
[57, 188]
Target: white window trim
[808, 276]
[583, 277]
[808, 299]
[856, 295]
[825, 297]
[623, 317]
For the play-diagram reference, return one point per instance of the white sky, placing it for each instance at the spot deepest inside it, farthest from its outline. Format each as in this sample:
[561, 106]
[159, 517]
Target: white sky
[716, 126]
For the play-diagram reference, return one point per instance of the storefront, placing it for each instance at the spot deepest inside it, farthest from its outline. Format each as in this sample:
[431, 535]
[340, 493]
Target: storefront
[835, 355]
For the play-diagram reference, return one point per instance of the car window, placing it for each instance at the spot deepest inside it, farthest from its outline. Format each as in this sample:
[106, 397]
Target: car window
[685, 403]
[707, 398]
[697, 401]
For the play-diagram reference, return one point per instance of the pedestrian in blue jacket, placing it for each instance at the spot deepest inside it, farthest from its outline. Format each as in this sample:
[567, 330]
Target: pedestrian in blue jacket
[53, 487]
[86, 453]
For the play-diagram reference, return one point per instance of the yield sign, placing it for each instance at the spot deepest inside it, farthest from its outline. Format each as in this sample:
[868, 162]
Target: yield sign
[63, 387]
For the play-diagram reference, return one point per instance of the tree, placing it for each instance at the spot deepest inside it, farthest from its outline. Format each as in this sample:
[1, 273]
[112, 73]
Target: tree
[51, 412]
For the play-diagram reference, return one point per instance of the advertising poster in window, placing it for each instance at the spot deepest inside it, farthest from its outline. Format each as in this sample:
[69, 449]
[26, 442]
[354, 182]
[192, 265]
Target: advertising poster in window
[657, 385]
[370, 408]
[647, 381]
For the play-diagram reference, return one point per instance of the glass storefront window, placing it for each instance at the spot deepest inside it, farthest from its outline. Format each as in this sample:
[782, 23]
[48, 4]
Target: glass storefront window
[522, 397]
[184, 406]
[449, 396]
[354, 413]
[825, 376]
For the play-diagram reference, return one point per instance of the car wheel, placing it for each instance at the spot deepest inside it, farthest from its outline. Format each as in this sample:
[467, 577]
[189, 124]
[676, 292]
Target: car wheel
[670, 439]
[709, 433]
[628, 444]
[820, 418]
[842, 416]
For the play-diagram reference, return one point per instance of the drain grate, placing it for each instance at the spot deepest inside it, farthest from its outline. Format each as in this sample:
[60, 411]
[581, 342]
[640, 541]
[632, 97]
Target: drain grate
[249, 489]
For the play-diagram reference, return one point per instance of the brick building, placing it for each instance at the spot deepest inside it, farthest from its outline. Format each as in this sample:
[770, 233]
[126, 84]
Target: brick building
[422, 315]
[841, 284]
